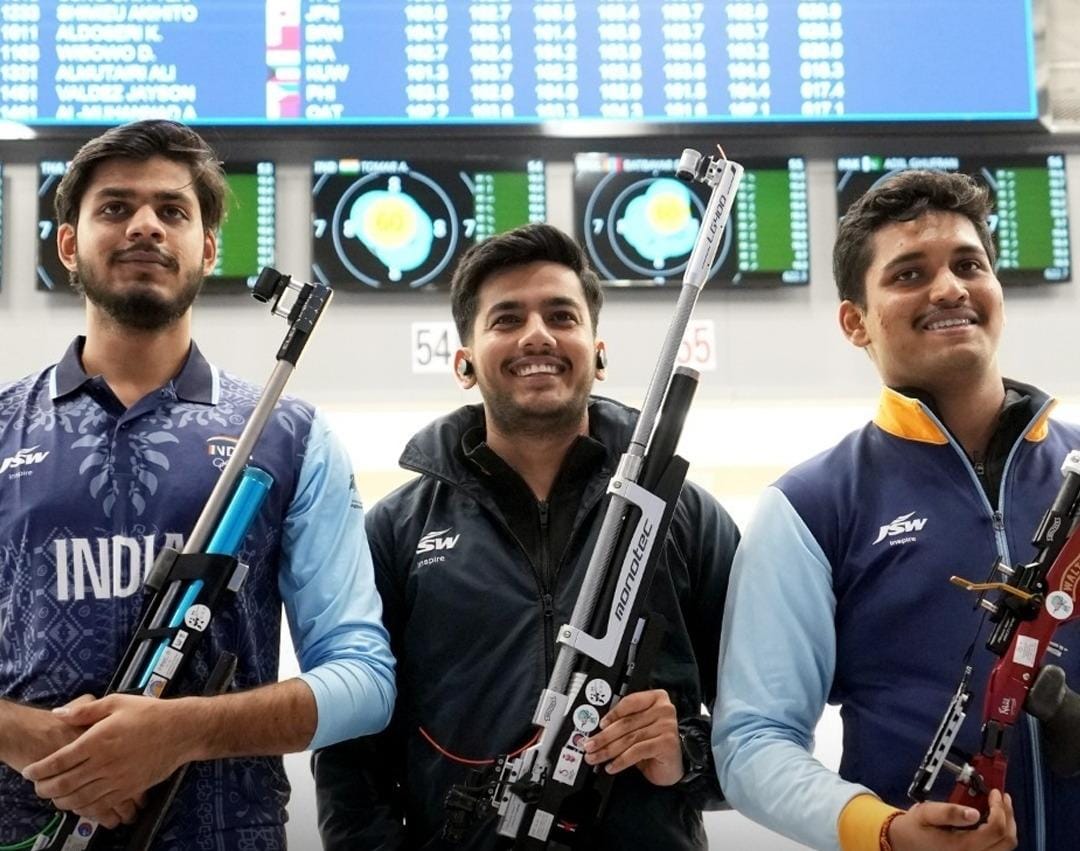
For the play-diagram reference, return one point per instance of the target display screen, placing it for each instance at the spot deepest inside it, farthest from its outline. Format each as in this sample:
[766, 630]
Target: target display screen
[639, 222]
[245, 238]
[1030, 220]
[402, 225]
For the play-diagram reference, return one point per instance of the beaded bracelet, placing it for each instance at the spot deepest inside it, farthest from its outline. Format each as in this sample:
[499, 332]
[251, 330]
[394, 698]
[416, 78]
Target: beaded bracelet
[883, 837]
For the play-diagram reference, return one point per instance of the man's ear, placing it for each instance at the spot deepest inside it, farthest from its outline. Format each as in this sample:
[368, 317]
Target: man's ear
[853, 324]
[464, 371]
[209, 251]
[65, 246]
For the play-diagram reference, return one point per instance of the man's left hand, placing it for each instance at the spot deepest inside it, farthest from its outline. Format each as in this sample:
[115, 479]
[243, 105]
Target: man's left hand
[641, 730]
[132, 743]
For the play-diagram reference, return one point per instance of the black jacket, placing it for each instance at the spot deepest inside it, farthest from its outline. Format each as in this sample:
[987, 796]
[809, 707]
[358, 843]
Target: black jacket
[472, 612]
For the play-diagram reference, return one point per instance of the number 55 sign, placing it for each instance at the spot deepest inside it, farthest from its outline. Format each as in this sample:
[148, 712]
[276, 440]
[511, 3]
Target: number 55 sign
[433, 345]
[698, 346]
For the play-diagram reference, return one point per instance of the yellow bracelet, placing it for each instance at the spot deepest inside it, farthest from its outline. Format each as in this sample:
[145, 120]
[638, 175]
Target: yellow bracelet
[883, 838]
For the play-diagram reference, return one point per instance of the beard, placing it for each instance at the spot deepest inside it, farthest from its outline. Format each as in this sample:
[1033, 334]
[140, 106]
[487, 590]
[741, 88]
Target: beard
[135, 307]
[510, 417]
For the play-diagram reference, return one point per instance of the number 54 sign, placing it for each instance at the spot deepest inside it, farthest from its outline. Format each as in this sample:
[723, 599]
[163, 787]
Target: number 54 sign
[433, 345]
[698, 346]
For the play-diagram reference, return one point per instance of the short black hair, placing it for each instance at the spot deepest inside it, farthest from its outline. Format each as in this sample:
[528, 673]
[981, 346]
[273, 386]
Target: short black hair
[141, 140]
[903, 197]
[519, 247]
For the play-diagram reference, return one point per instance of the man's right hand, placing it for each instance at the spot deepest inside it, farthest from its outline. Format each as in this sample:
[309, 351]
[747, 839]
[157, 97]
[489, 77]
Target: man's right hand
[31, 734]
[933, 826]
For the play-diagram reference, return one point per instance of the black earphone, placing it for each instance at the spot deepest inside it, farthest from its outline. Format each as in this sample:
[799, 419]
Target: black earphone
[464, 368]
[601, 358]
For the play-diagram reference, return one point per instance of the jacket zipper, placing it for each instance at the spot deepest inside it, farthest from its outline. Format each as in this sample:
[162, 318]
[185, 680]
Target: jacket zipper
[1001, 540]
[545, 596]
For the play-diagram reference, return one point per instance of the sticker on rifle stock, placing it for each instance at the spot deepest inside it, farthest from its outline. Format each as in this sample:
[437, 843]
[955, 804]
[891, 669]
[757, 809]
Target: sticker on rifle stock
[197, 617]
[1059, 605]
[178, 641]
[586, 718]
[1027, 651]
[541, 825]
[598, 692]
[566, 769]
[168, 663]
[155, 686]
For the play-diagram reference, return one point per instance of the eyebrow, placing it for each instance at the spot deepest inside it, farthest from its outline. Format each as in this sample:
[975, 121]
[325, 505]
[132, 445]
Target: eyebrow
[557, 301]
[909, 256]
[123, 194]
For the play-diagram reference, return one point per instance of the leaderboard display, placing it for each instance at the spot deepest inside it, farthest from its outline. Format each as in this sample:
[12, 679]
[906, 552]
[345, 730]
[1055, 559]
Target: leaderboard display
[504, 61]
[1030, 221]
[401, 225]
[638, 222]
[245, 239]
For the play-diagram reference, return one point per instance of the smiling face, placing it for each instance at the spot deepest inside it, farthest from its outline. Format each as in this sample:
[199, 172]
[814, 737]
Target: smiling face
[533, 350]
[934, 309]
[139, 246]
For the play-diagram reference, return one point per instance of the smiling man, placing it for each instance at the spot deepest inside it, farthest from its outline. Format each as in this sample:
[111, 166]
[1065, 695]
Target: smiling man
[840, 591]
[118, 441]
[479, 561]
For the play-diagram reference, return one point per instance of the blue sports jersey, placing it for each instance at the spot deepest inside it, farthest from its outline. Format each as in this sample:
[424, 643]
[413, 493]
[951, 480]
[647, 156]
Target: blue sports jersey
[91, 491]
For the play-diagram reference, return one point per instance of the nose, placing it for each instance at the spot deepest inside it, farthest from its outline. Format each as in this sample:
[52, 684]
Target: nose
[145, 224]
[948, 288]
[535, 334]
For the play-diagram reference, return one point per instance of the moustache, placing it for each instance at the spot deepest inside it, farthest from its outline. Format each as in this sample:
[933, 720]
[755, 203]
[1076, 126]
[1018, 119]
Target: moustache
[134, 252]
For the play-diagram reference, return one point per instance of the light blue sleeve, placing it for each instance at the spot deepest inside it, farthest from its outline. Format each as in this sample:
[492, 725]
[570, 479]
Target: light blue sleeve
[327, 583]
[777, 659]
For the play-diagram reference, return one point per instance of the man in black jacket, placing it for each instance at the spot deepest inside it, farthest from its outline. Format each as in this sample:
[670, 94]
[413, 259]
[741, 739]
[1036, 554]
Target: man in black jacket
[479, 561]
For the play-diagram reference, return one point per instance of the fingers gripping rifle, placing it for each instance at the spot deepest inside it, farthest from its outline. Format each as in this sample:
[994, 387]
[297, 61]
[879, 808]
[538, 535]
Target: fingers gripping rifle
[1035, 599]
[547, 797]
[189, 587]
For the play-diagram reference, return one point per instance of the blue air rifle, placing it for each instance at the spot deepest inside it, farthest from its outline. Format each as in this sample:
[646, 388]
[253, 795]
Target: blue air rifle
[547, 797]
[189, 587]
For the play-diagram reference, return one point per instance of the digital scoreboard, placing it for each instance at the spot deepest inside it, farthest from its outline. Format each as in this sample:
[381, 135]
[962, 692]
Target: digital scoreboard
[638, 222]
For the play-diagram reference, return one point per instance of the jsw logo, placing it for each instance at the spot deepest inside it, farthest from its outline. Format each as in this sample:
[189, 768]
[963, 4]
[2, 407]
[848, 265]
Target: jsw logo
[437, 541]
[901, 526]
[23, 458]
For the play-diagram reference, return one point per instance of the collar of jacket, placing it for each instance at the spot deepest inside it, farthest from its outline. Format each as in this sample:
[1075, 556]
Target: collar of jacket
[436, 449]
[910, 414]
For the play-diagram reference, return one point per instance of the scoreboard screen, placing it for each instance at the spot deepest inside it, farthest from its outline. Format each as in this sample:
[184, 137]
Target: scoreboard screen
[402, 225]
[638, 222]
[242, 62]
[1030, 220]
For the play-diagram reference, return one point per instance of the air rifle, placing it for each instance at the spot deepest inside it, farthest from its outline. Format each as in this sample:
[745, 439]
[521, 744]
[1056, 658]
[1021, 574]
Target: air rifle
[1034, 600]
[547, 797]
[187, 588]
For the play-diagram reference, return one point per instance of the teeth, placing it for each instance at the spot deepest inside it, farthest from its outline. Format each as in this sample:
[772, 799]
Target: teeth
[948, 323]
[536, 369]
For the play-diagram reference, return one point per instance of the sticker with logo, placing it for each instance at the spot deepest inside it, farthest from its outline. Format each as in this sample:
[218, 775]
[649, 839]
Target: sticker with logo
[586, 718]
[901, 530]
[598, 692]
[197, 617]
[566, 769]
[1059, 605]
[16, 464]
[155, 686]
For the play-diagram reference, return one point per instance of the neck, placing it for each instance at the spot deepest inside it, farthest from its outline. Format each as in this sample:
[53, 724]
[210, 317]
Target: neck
[971, 413]
[134, 362]
[537, 458]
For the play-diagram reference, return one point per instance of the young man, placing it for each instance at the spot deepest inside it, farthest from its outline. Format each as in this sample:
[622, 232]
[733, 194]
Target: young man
[116, 441]
[829, 603]
[479, 561]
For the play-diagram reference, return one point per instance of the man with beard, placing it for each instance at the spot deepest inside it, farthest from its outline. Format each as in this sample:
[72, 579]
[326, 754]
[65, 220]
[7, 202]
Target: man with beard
[110, 455]
[479, 561]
